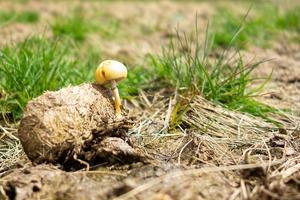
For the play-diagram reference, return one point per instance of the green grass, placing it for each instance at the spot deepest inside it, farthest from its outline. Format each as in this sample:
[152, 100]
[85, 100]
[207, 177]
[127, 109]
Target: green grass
[74, 27]
[138, 79]
[260, 29]
[21, 17]
[77, 27]
[36, 65]
[290, 20]
[186, 65]
[39, 64]
[107, 26]
[27, 17]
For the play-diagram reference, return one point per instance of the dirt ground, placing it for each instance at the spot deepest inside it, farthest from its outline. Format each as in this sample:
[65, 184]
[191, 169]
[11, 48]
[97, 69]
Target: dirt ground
[243, 159]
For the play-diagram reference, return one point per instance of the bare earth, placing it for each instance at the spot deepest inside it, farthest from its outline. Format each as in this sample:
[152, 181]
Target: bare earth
[237, 160]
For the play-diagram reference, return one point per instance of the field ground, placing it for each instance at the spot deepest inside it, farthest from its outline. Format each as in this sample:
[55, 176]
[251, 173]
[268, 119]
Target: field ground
[205, 139]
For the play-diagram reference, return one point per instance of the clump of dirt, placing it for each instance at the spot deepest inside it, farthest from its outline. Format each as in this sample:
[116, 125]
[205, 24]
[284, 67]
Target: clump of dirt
[75, 126]
[148, 182]
[44, 181]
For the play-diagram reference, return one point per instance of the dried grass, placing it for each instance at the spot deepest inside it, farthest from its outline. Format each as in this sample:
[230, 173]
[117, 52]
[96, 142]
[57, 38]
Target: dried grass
[10, 147]
[264, 158]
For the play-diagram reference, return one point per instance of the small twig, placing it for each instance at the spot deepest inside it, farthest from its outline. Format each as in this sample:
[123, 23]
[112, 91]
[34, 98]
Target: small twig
[144, 97]
[234, 195]
[172, 103]
[86, 164]
[100, 172]
[269, 154]
[287, 173]
[273, 195]
[179, 156]
[244, 190]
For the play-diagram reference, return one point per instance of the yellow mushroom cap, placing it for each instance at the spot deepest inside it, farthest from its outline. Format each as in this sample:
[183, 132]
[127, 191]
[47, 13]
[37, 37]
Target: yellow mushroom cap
[110, 70]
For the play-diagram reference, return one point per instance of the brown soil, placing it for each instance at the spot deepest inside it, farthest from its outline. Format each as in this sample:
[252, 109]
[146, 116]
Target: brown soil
[226, 155]
[40, 182]
[283, 90]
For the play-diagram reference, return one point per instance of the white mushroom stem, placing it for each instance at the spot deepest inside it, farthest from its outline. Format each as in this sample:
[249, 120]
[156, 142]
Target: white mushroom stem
[116, 95]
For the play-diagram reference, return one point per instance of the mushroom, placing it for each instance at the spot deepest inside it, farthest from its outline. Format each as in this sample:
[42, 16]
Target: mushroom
[112, 71]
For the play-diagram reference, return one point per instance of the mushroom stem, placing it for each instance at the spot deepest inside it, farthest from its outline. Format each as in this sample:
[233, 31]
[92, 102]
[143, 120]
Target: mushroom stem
[117, 97]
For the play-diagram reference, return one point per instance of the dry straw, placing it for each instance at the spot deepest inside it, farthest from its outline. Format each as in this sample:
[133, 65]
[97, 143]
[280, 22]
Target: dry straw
[10, 147]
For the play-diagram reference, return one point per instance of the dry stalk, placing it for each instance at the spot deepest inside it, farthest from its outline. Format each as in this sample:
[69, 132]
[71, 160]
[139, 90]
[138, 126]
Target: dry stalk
[10, 147]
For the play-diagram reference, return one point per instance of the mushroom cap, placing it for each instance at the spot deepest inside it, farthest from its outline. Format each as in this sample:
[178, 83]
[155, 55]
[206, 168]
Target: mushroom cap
[110, 70]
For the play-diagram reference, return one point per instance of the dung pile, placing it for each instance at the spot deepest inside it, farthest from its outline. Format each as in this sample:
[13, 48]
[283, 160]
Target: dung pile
[75, 126]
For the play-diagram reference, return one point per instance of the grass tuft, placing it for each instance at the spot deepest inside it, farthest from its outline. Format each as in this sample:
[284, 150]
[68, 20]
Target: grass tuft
[290, 20]
[77, 27]
[259, 30]
[186, 64]
[73, 26]
[138, 79]
[36, 65]
[107, 27]
[25, 16]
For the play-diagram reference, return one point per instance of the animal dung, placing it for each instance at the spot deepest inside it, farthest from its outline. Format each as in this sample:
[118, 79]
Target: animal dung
[75, 125]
